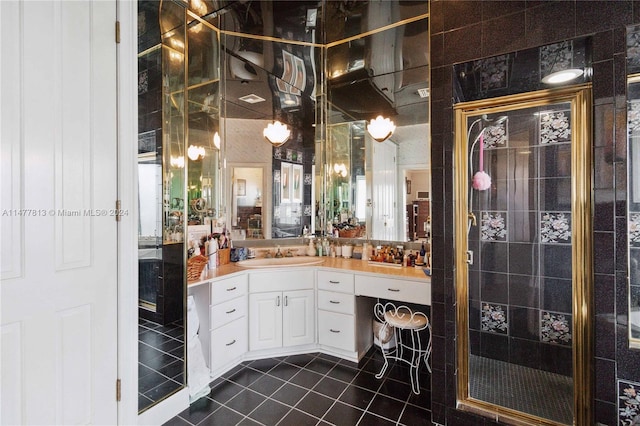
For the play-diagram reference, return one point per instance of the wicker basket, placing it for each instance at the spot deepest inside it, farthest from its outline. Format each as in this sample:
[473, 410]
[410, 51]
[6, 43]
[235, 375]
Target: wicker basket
[195, 265]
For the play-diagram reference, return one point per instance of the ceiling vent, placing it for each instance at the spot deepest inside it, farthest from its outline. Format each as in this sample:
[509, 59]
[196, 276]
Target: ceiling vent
[252, 99]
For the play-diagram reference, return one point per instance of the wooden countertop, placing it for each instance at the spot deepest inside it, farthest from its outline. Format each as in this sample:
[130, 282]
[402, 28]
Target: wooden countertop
[352, 265]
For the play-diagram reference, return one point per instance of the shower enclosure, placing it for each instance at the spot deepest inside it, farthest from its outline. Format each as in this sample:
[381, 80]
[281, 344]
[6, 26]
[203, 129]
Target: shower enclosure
[523, 264]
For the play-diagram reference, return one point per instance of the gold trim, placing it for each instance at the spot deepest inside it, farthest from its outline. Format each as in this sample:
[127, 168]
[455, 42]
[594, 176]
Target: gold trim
[377, 30]
[149, 50]
[582, 259]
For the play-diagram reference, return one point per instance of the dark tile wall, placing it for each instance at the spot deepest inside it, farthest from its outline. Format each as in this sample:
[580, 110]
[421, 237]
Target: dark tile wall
[463, 31]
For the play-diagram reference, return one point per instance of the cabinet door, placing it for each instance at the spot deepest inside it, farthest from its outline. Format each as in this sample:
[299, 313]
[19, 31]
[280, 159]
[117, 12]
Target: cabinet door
[265, 320]
[298, 317]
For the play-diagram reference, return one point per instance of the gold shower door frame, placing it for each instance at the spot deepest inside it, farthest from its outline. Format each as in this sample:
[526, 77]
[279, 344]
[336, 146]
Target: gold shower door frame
[579, 97]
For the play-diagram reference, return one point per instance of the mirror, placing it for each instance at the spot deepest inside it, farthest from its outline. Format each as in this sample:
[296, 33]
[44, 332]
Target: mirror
[266, 78]
[385, 193]
[633, 186]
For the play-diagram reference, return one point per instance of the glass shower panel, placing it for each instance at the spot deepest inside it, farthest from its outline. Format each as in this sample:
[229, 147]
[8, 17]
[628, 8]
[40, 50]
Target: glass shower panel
[520, 281]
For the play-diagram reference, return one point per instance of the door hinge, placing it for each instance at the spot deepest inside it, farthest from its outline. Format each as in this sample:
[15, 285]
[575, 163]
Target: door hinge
[118, 390]
[117, 31]
[118, 210]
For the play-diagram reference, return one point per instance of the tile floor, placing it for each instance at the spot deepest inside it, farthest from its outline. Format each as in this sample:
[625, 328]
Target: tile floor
[160, 361]
[312, 389]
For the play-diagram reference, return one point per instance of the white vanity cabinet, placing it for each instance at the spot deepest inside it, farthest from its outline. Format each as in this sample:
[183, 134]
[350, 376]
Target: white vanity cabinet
[340, 315]
[282, 309]
[228, 322]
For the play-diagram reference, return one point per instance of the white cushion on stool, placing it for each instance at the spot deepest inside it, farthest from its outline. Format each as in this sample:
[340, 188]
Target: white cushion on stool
[404, 318]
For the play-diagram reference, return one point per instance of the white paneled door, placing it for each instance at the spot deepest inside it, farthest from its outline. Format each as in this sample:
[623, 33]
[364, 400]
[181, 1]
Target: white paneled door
[58, 190]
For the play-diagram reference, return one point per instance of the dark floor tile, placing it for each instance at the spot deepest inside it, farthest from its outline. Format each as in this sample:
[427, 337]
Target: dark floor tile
[372, 420]
[290, 394]
[330, 387]
[245, 402]
[177, 421]
[298, 418]
[154, 339]
[395, 389]
[315, 404]
[343, 415]
[199, 410]
[150, 381]
[143, 370]
[159, 361]
[328, 357]
[162, 390]
[246, 376]
[284, 371]
[269, 413]
[299, 360]
[386, 407]
[266, 385]
[343, 373]
[306, 378]
[422, 400]
[143, 402]
[248, 422]
[225, 391]
[264, 365]
[172, 370]
[223, 416]
[367, 380]
[413, 415]
[356, 396]
[319, 365]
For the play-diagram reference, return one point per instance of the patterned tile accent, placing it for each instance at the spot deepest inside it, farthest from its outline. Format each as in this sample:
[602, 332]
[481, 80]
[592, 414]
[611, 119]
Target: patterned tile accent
[493, 226]
[495, 72]
[634, 229]
[555, 127]
[143, 82]
[299, 157]
[276, 176]
[555, 228]
[307, 210]
[277, 153]
[633, 49]
[555, 328]
[633, 116]
[276, 212]
[494, 318]
[556, 57]
[628, 403]
[496, 136]
[307, 179]
[289, 155]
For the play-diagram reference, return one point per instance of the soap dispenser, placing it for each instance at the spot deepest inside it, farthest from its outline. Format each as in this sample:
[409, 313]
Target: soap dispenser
[311, 250]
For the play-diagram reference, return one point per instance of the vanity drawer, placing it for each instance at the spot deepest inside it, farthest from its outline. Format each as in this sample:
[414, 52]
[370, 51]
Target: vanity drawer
[228, 288]
[336, 302]
[228, 342]
[335, 281]
[336, 330]
[393, 289]
[228, 311]
[295, 279]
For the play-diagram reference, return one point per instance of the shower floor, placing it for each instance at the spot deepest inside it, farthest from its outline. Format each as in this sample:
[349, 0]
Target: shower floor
[524, 389]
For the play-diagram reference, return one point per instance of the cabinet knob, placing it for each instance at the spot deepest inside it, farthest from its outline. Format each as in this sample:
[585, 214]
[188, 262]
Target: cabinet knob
[278, 301]
[335, 302]
[231, 311]
[394, 289]
[231, 289]
[231, 342]
[334, 282]
[334, 331]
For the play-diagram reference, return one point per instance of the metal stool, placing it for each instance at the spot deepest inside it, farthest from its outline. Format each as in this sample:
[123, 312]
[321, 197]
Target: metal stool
[402, 318]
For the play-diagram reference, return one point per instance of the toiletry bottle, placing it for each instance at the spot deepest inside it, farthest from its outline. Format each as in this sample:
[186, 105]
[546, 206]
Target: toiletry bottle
[311, 250]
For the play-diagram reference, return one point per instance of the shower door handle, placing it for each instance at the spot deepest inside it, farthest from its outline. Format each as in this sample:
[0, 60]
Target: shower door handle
[470, 257]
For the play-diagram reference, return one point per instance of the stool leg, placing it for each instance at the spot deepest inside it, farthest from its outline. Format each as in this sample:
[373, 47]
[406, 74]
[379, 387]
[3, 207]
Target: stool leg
[385, 354]
[415, 362]
[428, 350]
